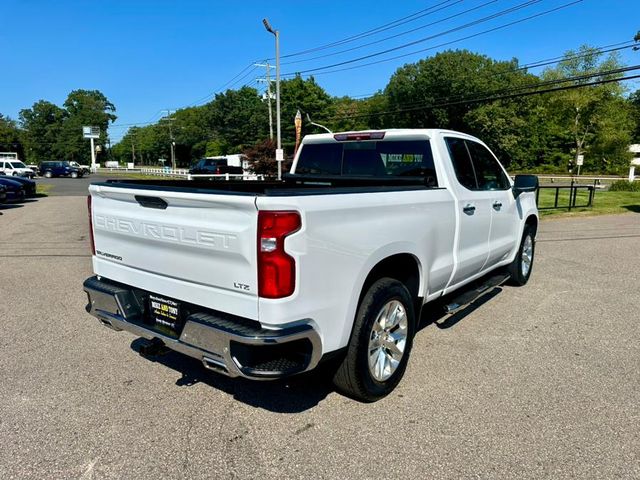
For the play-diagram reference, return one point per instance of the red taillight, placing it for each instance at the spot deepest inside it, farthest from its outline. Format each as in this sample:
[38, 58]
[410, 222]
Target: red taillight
[276, 269]
[93, 242]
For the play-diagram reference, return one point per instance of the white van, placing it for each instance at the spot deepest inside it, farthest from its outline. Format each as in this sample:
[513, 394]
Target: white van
[15, 168]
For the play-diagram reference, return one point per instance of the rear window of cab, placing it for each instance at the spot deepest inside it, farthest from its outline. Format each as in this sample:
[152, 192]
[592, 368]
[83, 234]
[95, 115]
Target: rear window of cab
[388, 158]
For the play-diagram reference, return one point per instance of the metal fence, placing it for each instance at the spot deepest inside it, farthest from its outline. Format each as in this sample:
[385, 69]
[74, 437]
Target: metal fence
[183, 173]
[571, 201]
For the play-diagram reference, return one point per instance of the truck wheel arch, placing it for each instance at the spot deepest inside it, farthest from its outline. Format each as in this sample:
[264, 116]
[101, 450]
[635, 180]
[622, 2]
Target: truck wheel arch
[404, 267]
[533, 221]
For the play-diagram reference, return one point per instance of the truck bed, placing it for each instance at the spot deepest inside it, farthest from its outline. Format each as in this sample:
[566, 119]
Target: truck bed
[293, 185]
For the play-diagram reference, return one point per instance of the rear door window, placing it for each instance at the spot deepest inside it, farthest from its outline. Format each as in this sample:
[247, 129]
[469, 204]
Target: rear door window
[489, 174]
[461, 162]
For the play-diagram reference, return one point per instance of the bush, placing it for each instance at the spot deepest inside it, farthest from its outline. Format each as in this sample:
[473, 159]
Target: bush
[624, 186]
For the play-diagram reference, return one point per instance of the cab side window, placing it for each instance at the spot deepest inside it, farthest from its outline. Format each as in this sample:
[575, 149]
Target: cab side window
[461, 162]
[489, 174]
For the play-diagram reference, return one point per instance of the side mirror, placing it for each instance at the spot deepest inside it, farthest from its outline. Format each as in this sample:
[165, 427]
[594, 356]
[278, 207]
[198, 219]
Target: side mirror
[525, 183]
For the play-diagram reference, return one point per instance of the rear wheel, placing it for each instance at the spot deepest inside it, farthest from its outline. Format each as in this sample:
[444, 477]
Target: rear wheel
[520, 268]
[47, 175]
[380, 343]
[74, 174]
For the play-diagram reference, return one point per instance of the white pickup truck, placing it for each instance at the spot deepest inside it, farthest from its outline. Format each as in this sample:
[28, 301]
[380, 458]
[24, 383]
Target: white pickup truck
[266, 279]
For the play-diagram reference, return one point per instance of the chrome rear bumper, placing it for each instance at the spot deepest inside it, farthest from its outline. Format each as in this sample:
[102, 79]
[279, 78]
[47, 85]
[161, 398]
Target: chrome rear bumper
[230, 345]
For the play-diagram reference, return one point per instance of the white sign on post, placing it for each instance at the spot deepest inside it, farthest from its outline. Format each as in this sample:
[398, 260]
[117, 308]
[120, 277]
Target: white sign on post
[580, 160]
[91, 132]
[279, 154]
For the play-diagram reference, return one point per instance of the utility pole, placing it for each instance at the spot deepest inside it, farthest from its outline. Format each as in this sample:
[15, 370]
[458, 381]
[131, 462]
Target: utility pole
[268, 81]
[279, 152]
[173, 143]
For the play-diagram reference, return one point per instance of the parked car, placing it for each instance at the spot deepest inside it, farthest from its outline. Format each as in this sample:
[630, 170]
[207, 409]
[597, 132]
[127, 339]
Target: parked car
[265, 279]
[28, 185]
[3, 194]
[15, 168]
[85, 169]
[214, 166]
[15, 190]
[59, 169]
[35, 168]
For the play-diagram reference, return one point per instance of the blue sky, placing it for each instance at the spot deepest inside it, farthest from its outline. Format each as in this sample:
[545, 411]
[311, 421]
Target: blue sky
[149, 55]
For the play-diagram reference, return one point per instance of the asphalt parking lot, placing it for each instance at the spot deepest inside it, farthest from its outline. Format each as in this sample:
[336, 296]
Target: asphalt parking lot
[535, 382]
[63, 186]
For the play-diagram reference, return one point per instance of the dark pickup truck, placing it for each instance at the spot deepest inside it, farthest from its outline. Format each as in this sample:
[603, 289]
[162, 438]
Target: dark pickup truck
[214, 166]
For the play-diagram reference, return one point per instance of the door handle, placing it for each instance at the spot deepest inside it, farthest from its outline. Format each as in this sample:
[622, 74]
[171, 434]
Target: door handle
[497, 205]
[469, 209]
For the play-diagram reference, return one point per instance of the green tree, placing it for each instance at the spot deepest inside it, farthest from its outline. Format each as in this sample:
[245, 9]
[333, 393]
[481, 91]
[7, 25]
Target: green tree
[42, 126]
[353, 114]
[192, 133]
[435, 92]
[593, 119]
[306, 96]
[238, 117]
[83, 107]
[10, 140]
[634, 103]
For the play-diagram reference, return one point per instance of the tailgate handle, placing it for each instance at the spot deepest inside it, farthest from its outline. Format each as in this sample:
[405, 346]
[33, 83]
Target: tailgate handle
[151, 202]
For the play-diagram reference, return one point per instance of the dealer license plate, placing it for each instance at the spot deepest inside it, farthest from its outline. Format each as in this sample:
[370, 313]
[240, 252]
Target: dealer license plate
[165, 313]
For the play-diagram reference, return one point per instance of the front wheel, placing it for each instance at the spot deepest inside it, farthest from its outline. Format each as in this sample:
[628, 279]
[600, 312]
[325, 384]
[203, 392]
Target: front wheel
[380, 343]
[47, 175]
[74, 174]
[520, 268]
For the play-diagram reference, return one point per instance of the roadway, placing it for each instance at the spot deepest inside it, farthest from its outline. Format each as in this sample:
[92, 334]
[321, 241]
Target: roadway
[64, 186]
[534, 382]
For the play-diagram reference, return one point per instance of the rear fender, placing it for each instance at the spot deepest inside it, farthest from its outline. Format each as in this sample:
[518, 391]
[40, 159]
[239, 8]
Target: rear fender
[380, 255]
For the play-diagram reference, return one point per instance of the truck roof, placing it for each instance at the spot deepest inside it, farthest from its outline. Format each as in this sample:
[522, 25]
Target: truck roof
[388, 133]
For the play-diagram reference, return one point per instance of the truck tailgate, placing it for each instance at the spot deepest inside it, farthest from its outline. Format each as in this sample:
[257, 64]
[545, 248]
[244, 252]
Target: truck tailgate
[195, 247]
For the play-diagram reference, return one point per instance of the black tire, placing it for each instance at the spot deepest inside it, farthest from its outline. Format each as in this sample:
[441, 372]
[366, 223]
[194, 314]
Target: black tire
[516, 269]
[353, 377]
[47, 175]
[74, 174]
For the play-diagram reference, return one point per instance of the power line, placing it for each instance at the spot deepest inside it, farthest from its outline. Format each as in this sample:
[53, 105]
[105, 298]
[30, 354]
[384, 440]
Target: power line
[477, 7]
[477, 34]
[249, 73]
[510, 93]
[557, 81]
[534, 64]
[239, 77]
[430, 37]
[382, 28]
[217, 90]
[549, 61]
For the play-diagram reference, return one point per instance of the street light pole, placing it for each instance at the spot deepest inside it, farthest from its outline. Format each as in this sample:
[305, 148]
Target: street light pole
[279, 154]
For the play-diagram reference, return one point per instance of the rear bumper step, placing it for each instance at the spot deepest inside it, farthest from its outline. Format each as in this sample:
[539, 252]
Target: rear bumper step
[229, 345]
